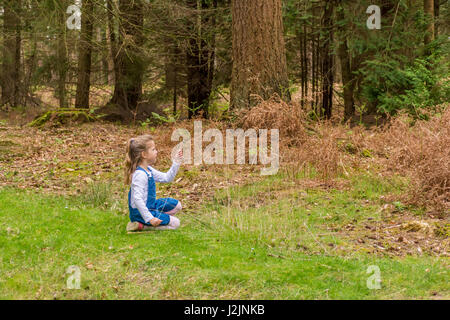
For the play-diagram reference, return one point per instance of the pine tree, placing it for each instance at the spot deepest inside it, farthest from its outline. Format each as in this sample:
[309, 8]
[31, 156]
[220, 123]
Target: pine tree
[85, 55]
[129, 63]
[259, 57]
[10, 77]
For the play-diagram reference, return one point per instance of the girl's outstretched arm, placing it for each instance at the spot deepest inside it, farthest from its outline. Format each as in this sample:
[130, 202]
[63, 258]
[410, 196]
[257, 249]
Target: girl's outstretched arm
[165, 176]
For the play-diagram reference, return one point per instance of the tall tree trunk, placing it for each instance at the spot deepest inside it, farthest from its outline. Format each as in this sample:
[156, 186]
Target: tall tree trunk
[11, 53]
[315, 56]
[346, 72]
[112, 65]
[85, 55]
[302, 39]
[129, 64]
[61, 56]
[30, 66]
[212, 51]
[173, 69]
[104, 55]
[428, 6]
[299, 38]
[327, 60]
[314, 72]
[259, 57]
[305, 66]
[436, 16]
[200, 58]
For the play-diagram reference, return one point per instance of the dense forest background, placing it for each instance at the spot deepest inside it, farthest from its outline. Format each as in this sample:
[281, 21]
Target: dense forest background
[159, 60]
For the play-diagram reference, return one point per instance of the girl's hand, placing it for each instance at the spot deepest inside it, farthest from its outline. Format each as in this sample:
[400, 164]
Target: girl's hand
[155, 222]
[179, 157]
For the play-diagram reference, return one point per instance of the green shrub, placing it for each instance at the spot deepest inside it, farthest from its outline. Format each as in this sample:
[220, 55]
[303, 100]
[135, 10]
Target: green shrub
[413, 87]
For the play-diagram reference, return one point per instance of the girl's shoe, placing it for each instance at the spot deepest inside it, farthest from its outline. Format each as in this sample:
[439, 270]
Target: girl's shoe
[134, 226]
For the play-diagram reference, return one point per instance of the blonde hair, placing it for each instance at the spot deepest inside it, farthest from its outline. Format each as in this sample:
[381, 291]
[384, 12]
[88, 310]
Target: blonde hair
[135, 147]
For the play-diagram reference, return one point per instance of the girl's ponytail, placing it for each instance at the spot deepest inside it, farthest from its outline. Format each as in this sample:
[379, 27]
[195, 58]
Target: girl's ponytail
[128, 163]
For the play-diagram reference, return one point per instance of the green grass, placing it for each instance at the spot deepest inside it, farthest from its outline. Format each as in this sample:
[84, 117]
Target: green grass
[249, 243]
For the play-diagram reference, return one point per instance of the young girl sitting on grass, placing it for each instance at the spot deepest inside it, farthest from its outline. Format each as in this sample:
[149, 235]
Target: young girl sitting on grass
[147, 212]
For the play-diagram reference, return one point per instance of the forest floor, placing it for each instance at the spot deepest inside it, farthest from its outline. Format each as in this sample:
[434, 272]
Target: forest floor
[243, 235]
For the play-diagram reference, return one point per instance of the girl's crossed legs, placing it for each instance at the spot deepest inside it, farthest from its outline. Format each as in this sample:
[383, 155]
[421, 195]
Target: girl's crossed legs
[168, 205]
[166, 208]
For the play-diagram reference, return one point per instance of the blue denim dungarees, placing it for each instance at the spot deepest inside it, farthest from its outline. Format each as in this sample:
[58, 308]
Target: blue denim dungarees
[157, 207]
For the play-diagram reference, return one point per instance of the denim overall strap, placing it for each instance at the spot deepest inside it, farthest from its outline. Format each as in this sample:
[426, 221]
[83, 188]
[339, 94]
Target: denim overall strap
[151, 195]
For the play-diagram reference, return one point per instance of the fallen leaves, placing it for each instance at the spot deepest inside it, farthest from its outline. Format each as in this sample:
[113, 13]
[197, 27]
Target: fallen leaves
[89, 265]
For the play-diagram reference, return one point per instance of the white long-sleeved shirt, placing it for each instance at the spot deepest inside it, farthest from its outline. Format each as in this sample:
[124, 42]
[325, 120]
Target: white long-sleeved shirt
[139, 187]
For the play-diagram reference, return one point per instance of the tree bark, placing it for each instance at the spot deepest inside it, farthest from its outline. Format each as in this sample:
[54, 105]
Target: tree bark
[346, 71]
[305, 66]
[429, 10]
[327, 60]
[314, 72]
[212, 51]
[173, 69]
[315, 52]
[113, 64]
[200, 58]
[437, 4]
[11, 53]
[104, 55]
[61, 56]
[259, 57]
[85, 55]
[129, 64]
